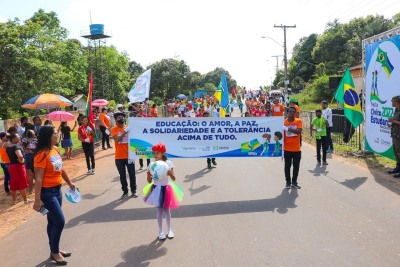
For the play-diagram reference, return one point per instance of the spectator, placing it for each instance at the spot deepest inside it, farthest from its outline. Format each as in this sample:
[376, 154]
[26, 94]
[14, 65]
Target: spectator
[48, 122]
[86, 136]
[105, 129]
[110, 114]
[21, 128]
[5, 160]
[66, 142]
[327, 113]
[320, 125]
[37, 122]
[18, 178]
[29, 143]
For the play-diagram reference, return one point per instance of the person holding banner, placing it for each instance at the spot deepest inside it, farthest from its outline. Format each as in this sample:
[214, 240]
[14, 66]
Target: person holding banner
[395, 134]
[209, 160]
[291, 146]
[119, 133]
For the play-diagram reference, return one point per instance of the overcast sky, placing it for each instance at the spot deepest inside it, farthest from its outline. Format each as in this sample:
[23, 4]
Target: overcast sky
[206, 34]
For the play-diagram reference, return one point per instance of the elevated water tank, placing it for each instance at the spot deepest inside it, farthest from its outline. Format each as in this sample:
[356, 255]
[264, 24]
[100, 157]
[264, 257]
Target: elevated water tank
[96, 29]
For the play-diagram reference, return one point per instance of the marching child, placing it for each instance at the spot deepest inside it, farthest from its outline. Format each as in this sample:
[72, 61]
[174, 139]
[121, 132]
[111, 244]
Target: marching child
[160, 192]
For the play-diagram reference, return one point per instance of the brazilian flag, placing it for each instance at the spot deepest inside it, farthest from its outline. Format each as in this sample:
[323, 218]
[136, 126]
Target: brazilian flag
[348, 97]
[384, 60]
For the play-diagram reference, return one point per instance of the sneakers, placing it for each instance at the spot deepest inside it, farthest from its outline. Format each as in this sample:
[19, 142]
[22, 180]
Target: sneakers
[214, 162]
[141, 168]
[124, 195]
[161, 237]
[134, 195]
[396, 175]
[325, 163]
[296, 186]
[170, 234]
[209, 165]
[89, 172]
[329, 151]
[93, 171]
[287, 186]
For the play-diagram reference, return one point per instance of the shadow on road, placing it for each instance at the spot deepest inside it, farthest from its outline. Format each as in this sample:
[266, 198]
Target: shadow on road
[378, 170]
[354, 183]
[46, 263]
[196, 175]
[140, 256]
[318, 170]
[108, 213]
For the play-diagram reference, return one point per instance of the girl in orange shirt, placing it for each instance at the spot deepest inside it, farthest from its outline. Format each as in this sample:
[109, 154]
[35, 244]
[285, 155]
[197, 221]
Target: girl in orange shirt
[49, 174]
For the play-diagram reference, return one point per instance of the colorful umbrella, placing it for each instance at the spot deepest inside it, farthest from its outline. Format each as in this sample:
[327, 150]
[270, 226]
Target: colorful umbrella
[47, 101]
[181, 96]
[100, 103]
[60, 116]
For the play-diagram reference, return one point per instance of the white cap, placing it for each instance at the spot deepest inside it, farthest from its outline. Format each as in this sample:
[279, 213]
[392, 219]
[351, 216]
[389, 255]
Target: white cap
[120, 106]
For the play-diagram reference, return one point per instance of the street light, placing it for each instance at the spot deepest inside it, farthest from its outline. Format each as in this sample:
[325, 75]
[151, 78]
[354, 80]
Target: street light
[267, 37]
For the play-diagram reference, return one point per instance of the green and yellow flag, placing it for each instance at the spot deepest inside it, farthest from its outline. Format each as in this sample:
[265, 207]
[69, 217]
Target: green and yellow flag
[348, 97]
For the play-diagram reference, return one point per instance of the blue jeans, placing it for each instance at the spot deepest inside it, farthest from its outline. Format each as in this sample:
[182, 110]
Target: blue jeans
[6, 177]
[52, 200]
[122, 165]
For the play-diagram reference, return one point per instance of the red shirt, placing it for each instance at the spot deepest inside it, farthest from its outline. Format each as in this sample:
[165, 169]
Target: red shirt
[84, 133]
[141, 115]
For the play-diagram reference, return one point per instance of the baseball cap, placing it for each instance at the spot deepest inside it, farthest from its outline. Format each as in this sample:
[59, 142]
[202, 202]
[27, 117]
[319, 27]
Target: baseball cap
[120, 106]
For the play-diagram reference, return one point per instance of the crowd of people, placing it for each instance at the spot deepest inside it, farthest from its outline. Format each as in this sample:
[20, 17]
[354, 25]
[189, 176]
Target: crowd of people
[32, 162]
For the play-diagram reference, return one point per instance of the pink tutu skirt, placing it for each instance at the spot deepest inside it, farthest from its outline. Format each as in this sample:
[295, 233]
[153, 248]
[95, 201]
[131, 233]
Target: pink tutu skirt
[167, 196]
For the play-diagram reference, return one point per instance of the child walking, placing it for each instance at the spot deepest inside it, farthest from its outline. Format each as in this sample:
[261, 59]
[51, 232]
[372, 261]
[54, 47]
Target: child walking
[160, 192]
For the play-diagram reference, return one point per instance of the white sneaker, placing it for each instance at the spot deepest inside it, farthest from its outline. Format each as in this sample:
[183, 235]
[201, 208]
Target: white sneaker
[93, 171]
[161, 236]
[89, 172]
[171, 234]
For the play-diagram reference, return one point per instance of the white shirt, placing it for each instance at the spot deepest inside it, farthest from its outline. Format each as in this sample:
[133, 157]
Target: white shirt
[20, 130]
[327, 113]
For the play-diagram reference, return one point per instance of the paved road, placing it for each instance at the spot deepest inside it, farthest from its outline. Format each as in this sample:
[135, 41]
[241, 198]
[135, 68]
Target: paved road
[237, 214]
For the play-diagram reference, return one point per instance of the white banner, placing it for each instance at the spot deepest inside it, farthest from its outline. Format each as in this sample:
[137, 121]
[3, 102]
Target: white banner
[382, 83]
[207, 137]
[141, 89]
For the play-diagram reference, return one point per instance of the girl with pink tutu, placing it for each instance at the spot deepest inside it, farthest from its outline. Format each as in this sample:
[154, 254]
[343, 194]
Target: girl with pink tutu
[160, 192]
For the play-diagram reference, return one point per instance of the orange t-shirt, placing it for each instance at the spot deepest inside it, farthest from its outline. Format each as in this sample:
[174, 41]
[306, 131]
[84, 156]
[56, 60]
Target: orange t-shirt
[121, 147]
[52, 164]
[106, 121]
[291, 141]
[153, 112]
[277, 110]
[4, 156]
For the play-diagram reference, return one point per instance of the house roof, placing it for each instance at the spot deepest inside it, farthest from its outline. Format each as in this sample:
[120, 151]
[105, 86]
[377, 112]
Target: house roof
[357, 67]
[77, 97]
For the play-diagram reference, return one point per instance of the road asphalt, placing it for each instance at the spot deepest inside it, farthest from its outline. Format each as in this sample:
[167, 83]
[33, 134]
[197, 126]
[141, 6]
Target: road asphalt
[235, 214]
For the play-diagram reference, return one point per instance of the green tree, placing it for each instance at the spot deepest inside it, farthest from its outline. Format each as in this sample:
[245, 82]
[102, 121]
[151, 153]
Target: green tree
[214, 77]
[279, 75]
[169, 78]
[210, 87]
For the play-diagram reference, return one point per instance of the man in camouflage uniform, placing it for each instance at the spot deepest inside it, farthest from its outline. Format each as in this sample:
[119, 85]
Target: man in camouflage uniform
[395, 134]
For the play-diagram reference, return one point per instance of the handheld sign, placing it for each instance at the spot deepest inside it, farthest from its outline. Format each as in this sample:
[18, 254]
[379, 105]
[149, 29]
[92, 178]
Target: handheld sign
[73, 196]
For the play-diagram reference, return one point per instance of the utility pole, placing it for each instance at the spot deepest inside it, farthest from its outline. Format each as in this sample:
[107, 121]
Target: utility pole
[284, 27]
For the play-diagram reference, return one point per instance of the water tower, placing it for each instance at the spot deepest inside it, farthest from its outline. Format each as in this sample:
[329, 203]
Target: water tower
[97, 41]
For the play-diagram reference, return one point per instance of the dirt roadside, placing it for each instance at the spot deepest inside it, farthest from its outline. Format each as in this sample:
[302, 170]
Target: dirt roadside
[13, 215]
